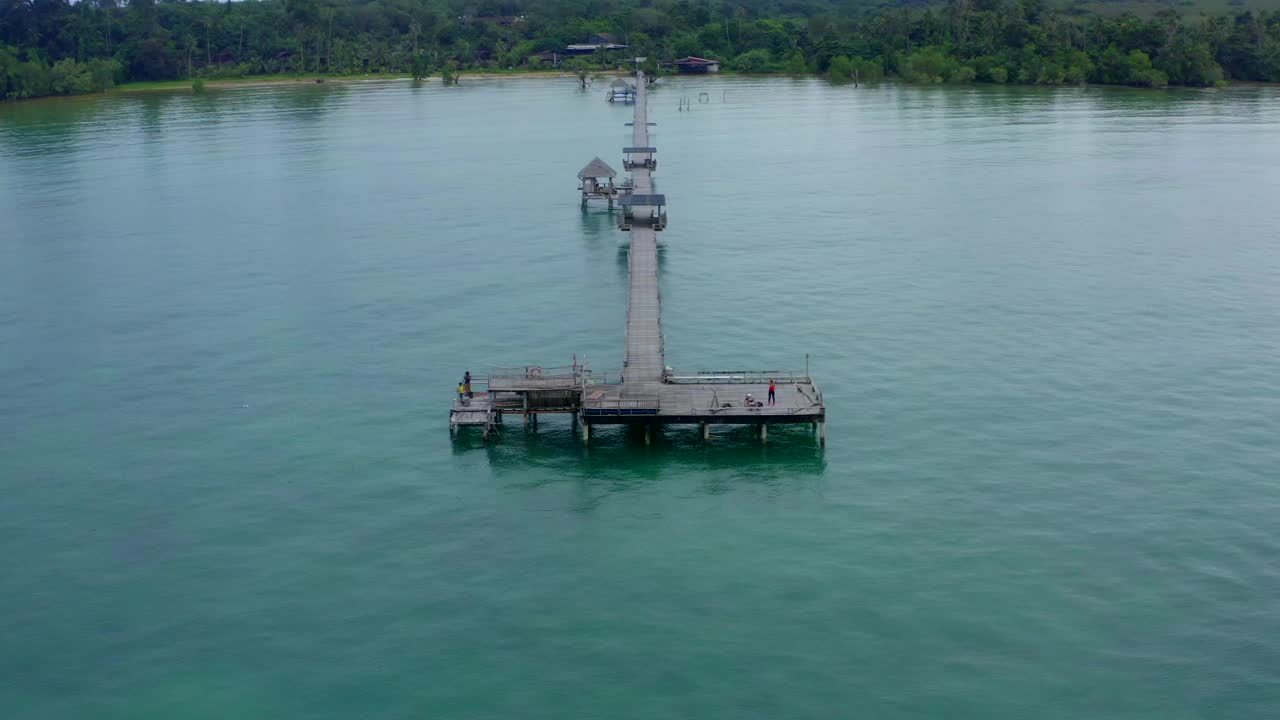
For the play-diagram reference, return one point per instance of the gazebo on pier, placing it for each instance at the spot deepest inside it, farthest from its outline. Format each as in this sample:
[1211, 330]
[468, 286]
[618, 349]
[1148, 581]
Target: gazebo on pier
[621, 91]
[597, 182]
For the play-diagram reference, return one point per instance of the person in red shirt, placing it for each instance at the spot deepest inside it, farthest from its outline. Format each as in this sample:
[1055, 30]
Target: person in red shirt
[772, 387]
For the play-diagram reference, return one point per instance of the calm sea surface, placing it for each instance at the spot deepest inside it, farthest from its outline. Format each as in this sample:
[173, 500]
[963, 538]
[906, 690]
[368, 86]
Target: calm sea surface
[1047, 323]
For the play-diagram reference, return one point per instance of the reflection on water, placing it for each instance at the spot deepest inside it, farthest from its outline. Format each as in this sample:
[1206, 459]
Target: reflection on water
[617, 459]
[598, 222]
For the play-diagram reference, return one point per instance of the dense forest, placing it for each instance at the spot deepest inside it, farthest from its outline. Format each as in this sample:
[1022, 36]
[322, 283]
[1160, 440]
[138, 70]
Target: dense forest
[51, 47]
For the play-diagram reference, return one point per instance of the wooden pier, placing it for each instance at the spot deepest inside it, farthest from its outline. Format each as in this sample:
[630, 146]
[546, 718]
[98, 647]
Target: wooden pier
[646, 392]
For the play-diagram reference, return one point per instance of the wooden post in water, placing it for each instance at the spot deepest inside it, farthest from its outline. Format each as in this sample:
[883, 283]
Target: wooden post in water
[764, 432]
[706, 431]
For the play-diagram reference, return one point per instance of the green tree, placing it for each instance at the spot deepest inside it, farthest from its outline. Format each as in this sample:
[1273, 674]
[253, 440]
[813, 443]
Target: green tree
[840, 69]
[1112, 67]
[795, 63]
[449, 74]
[752, 61]
[1187, 62]
[579, 67]
[421, 66]
[102, 74]
[1142, 73]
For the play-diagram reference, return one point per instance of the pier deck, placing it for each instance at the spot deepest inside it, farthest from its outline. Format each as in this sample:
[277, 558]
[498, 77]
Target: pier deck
[643, 365]
[711, 403]
[478, 411]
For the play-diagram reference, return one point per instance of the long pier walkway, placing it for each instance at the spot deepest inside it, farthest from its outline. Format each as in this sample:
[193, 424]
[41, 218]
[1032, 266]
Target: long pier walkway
[643, 367]
[646, 393]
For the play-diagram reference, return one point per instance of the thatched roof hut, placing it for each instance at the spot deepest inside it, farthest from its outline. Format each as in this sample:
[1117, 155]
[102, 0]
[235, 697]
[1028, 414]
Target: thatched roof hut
[597, 168]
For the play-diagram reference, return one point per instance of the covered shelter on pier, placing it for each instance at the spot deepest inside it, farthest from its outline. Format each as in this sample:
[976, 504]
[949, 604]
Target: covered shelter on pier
[647, 210]
[635, 158]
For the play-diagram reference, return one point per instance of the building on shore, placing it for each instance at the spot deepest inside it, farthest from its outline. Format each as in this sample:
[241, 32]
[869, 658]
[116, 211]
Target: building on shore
[551, 57]
[600, 42]
[697, 66]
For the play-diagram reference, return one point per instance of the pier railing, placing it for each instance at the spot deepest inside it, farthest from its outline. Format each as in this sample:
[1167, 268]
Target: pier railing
[592, 378]
[742, 377]
[534, 372]
[643, 405]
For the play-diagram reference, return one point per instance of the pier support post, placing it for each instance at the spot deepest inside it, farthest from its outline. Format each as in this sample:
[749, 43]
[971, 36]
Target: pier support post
[822, 432]
[764, 432]
[586, 433]
[706, 431]
[648, 431]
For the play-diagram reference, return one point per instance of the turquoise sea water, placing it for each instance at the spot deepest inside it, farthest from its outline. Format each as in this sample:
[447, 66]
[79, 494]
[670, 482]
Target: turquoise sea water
[1047, 324]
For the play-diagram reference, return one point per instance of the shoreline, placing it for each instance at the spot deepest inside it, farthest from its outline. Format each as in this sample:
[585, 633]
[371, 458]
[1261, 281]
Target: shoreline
[318, 79]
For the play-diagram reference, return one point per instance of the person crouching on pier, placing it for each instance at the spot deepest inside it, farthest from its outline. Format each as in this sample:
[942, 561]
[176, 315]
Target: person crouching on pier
[462, 392]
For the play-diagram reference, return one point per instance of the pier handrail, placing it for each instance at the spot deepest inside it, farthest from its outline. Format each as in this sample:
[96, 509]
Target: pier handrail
[647, 402]
[563, 372]
[593, 379]
[766, 410]
[780, 377]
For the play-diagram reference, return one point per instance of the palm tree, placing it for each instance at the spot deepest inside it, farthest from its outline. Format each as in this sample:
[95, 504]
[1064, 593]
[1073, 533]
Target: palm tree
[189, 41]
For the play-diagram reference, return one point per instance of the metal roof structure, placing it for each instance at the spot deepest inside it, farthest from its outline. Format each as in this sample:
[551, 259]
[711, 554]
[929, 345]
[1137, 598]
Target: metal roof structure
[643, 200]
[634, 150]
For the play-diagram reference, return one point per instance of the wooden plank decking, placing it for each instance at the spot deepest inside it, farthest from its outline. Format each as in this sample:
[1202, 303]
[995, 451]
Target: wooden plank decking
[643, 364]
